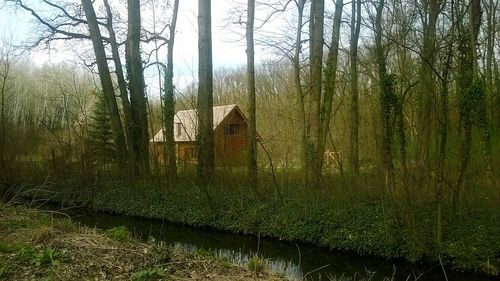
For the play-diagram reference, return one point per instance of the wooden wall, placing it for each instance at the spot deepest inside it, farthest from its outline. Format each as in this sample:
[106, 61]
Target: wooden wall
[230, 139]
[230, 146]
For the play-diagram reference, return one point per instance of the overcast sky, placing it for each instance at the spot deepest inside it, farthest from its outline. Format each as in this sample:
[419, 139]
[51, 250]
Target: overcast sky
[19, 26]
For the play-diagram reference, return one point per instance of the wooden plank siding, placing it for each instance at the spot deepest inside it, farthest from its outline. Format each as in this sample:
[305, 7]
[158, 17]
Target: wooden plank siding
[230, 140]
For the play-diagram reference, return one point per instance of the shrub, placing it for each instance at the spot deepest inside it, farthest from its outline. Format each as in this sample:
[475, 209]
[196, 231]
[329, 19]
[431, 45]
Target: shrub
[119, 233]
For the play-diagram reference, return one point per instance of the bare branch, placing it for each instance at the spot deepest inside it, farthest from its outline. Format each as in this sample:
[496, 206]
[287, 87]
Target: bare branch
[51, 27]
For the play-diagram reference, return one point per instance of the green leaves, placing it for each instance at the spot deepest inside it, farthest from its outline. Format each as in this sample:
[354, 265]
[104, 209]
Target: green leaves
[47, 256]
[119, 233]
[148, 274]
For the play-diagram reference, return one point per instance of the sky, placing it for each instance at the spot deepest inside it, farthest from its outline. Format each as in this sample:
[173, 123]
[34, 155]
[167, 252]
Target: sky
[19, 26]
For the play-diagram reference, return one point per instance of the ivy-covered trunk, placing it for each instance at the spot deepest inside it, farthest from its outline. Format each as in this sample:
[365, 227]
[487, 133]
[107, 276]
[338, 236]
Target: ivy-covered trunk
[138, 100]
[386, 96]
[169, 106]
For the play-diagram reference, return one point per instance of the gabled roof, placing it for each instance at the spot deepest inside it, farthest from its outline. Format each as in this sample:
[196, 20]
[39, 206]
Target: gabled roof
[189, 122]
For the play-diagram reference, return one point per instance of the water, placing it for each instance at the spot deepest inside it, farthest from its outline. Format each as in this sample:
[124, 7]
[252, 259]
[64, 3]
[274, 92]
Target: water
[294, 260]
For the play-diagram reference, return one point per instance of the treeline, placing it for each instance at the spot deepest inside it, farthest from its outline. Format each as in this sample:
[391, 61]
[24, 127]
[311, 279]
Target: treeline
[44, 115]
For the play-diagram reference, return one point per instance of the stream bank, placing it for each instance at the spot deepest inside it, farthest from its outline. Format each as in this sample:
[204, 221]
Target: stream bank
[37, 245]
[368, 230]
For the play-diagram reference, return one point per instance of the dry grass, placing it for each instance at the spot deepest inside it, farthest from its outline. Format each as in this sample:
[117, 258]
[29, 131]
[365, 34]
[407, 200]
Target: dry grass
[88, 254]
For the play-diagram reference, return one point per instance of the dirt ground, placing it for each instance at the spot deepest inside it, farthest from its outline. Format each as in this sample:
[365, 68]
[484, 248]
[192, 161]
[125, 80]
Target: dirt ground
[40, 246]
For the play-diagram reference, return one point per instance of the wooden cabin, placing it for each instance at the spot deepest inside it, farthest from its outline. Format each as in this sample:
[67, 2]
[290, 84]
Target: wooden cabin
[230, 136]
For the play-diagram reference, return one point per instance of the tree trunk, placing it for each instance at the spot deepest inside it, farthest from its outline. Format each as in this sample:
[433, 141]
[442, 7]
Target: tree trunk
[205, 136]
[442, 133]
[252, 130]
[427, 91]
[122, 86]
[442, 142]
[471, 96]
[169, 106]
[386, 96]
[106, 82]
[481, 109]
[138, 103]
[298, 89]
[354, 108]
[315, 84]
[4, 77]
[490, 52]
[330, 81]
[497, 94]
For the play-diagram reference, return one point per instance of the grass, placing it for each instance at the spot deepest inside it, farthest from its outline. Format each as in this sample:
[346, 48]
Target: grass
[337, 216]
[37, 246]
[5, 268]
[256, 264]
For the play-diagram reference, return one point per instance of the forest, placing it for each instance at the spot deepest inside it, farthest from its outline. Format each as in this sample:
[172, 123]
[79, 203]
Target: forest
[372, 126]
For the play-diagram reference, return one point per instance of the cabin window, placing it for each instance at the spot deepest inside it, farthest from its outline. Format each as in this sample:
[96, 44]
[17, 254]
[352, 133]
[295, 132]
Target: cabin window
[178, 129]
[232, 129]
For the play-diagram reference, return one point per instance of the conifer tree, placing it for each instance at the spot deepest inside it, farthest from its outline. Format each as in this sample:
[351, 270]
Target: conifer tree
[100, 133]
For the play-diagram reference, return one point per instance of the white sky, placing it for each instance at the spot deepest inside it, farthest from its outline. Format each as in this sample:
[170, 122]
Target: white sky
[19, 27]
[224, 52]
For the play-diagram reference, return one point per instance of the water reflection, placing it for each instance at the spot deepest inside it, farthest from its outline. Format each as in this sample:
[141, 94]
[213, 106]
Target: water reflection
[286, 268]
[296, 261]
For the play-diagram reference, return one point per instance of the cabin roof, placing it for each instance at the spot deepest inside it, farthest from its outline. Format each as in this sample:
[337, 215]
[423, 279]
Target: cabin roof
[189, 122]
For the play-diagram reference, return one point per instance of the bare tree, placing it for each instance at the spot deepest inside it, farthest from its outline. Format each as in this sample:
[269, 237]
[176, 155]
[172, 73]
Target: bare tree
[169, 103]
[443, 124]
[122, 86]
[205, 136]
[298, 86]
[330, 84]
[316, 26]
[431, 9]
[6, 63]
[252, 131]
[354, 108]
[138, 101]
[492, 88]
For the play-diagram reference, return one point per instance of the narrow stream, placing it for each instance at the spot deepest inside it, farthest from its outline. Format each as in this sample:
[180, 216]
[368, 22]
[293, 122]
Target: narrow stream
[294, 260]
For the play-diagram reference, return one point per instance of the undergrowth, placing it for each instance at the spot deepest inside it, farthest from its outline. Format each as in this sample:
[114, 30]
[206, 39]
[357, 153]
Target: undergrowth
[366, 227]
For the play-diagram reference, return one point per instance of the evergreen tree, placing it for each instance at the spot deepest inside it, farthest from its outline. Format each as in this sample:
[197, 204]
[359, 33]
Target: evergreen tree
[100, 133]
